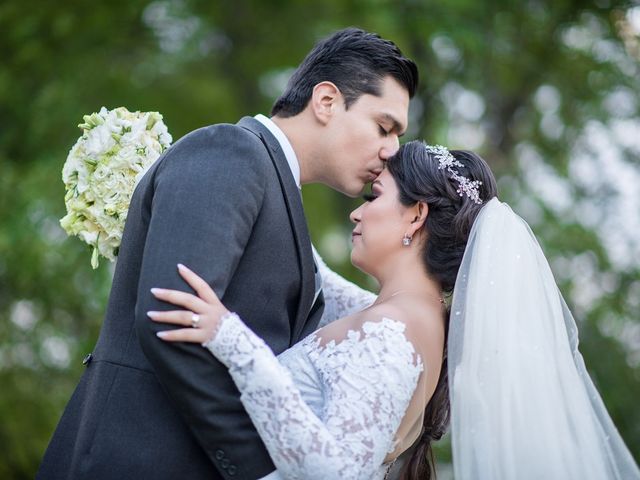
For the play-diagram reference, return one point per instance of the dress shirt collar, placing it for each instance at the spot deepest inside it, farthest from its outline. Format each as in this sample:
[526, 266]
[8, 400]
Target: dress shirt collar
[290, 155]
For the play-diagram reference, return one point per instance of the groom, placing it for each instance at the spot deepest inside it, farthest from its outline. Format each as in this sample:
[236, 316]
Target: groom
[225, 200]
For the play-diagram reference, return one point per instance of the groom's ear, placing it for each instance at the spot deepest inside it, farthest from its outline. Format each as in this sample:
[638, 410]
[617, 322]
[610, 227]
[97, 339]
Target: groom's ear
[325, 99]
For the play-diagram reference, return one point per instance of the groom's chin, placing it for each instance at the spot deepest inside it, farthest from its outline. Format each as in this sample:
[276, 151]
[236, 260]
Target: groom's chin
[351, 193]
[352, 190]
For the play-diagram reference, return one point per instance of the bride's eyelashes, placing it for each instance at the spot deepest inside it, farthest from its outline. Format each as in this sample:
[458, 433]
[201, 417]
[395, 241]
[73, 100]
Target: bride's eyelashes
[369, 197]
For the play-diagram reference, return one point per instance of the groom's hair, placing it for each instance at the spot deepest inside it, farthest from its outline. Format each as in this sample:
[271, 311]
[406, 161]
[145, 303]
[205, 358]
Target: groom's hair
[355, 61]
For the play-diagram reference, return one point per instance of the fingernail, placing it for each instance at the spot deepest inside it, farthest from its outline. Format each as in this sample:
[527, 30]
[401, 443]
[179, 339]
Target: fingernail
[181, 266]
[156, 290]
[152, 314]
[161, 334]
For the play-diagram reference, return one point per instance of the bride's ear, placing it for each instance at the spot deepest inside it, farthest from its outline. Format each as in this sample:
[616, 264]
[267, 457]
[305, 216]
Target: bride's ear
[419, 214]
[325, 98]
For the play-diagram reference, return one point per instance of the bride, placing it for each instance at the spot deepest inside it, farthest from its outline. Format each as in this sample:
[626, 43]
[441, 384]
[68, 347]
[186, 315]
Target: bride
[349, 399]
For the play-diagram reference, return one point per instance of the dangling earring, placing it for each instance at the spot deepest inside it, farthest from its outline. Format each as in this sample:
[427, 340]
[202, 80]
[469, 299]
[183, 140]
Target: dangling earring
[406, 240]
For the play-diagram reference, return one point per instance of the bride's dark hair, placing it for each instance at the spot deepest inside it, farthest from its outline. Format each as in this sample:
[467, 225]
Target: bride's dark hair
[447, 227]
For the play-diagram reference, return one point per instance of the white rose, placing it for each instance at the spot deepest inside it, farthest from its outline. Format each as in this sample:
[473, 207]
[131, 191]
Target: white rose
[98, 141]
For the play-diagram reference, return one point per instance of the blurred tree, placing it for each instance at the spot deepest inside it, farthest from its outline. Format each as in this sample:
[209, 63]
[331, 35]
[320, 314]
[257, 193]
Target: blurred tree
[546, 91]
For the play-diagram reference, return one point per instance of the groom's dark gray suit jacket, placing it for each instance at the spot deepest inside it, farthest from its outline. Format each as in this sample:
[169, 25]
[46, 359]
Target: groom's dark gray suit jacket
[222, 201]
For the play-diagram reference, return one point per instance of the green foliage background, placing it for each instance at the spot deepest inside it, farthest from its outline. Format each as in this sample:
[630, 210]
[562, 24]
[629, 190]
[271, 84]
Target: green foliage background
[547, 91]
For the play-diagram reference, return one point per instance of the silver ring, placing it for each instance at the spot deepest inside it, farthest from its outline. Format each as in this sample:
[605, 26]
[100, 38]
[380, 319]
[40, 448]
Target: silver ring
[195, 320]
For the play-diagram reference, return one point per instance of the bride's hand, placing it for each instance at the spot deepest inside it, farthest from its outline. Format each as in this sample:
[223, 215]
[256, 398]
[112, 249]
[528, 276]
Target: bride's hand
[202, 314]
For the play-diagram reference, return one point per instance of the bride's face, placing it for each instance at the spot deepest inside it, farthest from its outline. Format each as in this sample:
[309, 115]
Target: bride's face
[380, 224]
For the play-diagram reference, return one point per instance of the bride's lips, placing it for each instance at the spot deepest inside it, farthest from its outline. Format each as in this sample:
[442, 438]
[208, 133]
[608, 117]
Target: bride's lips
[354, 235]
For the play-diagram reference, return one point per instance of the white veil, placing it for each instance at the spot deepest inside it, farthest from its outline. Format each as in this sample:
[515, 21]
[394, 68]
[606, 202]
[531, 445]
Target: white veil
[522, 403]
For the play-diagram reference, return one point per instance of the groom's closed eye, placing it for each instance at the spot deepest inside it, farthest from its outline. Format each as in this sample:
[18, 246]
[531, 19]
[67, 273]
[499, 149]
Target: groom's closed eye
[391, 124]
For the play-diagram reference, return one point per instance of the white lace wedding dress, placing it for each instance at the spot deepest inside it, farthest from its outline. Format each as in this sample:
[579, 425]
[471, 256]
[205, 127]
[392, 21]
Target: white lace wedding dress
[342, 403]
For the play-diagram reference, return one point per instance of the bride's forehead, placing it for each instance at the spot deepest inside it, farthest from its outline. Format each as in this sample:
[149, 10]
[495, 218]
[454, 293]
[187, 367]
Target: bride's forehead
[385, 180]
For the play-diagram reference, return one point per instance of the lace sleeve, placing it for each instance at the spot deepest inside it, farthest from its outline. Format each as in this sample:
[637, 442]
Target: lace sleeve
[368, 386]
[341, 297]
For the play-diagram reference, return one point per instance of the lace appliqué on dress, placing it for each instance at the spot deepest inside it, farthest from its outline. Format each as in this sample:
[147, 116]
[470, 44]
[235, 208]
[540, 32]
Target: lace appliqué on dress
[367, 380]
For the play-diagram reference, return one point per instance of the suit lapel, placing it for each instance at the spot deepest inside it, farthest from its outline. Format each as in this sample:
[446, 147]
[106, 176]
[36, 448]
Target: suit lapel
[293, 201]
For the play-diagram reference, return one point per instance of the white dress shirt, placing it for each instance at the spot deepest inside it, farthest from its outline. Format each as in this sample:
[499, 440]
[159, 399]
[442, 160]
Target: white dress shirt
[292, 160]
[294, 166]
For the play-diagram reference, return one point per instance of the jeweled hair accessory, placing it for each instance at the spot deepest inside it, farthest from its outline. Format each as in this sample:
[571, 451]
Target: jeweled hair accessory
[446, 160]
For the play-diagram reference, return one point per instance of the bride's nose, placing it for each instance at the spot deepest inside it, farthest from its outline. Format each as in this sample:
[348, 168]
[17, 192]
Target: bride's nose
[355, 215]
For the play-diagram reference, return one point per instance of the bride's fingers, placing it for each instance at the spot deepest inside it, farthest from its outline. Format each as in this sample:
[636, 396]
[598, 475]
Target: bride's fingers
[191, 335]
[175, 317]
[183, 299]
[201, 287]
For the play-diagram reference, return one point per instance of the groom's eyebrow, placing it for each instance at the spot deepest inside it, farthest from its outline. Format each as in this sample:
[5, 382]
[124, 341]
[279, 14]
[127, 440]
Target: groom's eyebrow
[395, 124]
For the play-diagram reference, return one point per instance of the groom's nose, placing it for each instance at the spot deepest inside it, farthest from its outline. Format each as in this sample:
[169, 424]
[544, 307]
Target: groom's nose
[390, 147]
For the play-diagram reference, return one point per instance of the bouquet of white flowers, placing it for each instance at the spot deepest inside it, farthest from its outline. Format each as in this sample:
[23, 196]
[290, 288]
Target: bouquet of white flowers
[103, 168]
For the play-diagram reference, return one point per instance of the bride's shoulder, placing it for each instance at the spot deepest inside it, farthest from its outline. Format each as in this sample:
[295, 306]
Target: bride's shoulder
[414, 313]
[424, 323]
[387, 310]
